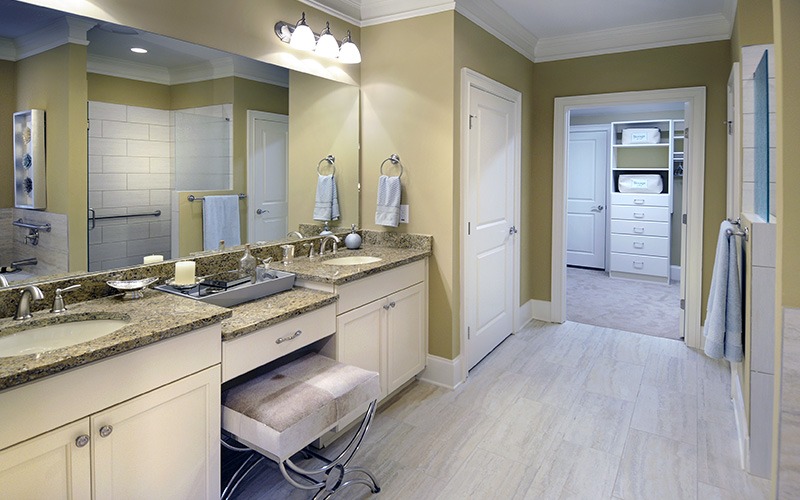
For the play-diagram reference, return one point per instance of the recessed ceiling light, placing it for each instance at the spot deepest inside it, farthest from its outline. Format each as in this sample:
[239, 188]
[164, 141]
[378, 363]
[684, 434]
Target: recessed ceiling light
[139, 50]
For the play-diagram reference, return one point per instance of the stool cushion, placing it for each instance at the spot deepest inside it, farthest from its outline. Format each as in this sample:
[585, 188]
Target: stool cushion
[280, 412]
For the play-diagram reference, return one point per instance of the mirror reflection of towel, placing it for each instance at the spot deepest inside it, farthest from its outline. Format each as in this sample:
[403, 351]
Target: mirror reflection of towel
[220, 221]
[326, 205]
[388, 210]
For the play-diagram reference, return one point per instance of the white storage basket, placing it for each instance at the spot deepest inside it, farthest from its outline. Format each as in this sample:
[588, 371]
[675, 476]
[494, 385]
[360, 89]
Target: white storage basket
[641, 183]
[641, 136]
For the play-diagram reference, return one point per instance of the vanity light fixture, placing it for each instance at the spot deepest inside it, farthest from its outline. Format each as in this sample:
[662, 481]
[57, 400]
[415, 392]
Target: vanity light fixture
[139, 50]
[301, 37]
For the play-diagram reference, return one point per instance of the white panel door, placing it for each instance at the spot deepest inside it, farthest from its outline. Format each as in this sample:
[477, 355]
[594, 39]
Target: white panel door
[587, 169]
[489, 207]
[268, 141]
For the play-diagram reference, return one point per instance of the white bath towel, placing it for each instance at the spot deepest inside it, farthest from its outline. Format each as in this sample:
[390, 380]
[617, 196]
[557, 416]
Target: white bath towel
[723, 326]
[220, 221]
[326, 206]
[388, 211]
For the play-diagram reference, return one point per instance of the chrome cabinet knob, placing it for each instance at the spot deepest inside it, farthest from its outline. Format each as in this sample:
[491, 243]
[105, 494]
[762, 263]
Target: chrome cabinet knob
[82, 441]
[106, 430]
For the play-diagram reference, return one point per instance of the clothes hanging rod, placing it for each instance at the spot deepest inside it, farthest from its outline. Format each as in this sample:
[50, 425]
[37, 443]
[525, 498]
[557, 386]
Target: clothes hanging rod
[29, 225]
[157, 213]
[192, 197]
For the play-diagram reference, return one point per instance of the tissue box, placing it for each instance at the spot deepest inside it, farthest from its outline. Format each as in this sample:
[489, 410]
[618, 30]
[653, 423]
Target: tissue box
[641, 136]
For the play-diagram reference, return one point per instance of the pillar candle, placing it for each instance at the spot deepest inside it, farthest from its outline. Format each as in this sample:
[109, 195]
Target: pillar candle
[184, 273]
[150, 259]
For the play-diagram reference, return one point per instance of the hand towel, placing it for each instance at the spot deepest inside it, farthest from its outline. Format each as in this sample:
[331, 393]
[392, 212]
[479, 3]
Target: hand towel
[388, 210]
[326, 205]
[220, 221]
[723, 326]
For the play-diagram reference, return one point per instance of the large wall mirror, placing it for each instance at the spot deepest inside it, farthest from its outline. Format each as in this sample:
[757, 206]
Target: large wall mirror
[179, 122]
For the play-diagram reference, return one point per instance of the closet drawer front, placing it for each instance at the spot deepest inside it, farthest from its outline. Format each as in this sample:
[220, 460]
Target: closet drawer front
[640, 245]
[651, 200]
[639, 264]
[640, 213]
[639, 228]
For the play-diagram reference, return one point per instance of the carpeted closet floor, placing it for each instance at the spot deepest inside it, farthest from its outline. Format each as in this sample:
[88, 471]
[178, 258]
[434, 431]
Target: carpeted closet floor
[593, 298]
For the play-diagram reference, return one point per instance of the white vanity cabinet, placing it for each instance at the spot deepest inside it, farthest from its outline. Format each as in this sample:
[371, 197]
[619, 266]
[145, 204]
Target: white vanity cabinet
[141, 422]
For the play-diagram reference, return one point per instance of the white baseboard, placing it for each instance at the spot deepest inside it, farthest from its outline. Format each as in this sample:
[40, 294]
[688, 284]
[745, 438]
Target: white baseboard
[443, 372]
[675, 273]
[741, 420]
[541, 310]
[524, 315]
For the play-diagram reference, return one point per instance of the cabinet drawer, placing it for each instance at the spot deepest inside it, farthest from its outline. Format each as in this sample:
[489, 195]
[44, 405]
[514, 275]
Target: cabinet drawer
[365, 290]
[627, 212]
[636, 199]
[639, 264]
[639, 228]
[640, 245]
[242, 354]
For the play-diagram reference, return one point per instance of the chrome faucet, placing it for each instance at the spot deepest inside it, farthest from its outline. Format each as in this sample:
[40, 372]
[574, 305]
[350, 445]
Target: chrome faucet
[294, 233]
[325, 239]
[59, 305]
[28, 294]
[3, 281]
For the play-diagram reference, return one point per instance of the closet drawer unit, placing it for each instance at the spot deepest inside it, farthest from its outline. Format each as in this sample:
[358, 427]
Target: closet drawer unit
[639, 264]
[640, 245]
[639, 228]
[660, 214]
[636, 199]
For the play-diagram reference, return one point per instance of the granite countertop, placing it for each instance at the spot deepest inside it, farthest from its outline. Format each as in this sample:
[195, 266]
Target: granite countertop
[156, 316]
[317, 270]
[261, 313]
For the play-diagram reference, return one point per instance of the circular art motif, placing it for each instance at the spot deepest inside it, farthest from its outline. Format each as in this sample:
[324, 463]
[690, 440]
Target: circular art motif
[28, 185]
[27, 161]
[26, 135]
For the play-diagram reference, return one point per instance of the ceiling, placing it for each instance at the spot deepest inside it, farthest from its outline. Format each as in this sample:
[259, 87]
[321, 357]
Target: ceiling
[545, 30]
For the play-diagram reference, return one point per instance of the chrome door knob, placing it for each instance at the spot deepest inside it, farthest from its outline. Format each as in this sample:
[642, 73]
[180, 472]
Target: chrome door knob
[260, 211]
[598, 208]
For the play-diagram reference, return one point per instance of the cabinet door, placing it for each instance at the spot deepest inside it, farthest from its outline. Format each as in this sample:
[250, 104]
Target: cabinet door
[406, 338]
[360, 338]
[163, 444]
[54, 465]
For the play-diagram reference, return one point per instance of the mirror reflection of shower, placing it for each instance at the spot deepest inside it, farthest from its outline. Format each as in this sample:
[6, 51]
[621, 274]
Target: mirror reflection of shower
[139, 158]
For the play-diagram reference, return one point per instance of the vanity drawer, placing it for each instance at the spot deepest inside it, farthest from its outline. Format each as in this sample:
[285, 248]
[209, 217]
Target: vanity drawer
[640, 213]
[640, 245]
[636, 199]
[639, 264]
[242, 354]
[360, 292]
[640, 228]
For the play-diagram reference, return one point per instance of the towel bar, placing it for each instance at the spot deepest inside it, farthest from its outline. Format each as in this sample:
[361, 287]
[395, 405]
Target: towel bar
[745, 233]
[192, 197]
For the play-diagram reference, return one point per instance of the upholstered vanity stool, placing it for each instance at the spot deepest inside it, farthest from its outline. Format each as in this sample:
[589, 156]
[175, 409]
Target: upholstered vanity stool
[279, 413]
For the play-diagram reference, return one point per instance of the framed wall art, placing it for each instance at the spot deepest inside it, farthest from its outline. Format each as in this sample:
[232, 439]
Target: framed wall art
[29, 159]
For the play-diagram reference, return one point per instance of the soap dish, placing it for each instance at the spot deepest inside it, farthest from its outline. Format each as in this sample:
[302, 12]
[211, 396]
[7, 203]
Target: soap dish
[132, 288]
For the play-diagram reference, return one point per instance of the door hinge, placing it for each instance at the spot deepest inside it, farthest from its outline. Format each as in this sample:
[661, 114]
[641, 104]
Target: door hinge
[686, 132]
[683, 218]
[469, 228]
[683, 304]
[468, 333]
[470, 120]
[730, 127]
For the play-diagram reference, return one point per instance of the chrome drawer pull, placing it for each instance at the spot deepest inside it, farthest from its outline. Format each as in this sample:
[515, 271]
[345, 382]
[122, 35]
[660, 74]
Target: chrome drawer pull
[293, 336]
[638, 215]
[638, 230]
[638, 244]
[638, 265]
[638, 201]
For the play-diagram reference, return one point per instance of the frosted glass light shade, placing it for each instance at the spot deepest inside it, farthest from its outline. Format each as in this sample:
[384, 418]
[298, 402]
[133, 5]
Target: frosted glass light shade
[327, 46]
[302, 36]
[349, 53]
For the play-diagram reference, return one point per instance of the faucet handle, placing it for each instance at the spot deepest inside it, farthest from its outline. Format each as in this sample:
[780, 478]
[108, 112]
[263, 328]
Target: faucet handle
[59, 305]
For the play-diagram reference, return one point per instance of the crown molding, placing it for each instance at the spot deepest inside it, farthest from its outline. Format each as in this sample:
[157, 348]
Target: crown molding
[8, 50]
[67, 29]
[375, 12]
[109, 66]
[729, 11]
[346, 10]
[496, 21]
[643, 36]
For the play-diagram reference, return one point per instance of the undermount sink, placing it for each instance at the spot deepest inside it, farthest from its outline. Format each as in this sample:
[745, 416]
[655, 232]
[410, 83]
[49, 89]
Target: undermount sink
[353, 261]
[60, 335]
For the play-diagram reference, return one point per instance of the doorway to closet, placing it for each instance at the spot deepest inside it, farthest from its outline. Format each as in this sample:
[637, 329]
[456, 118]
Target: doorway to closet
[629, 257]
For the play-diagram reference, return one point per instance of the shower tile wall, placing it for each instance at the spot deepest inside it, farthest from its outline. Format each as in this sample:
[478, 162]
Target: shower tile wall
[130, 172]
[751, 56]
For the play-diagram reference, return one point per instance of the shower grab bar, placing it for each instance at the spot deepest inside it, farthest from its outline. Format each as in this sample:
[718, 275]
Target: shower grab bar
[29, 225]
[192, 197]
[157, 213]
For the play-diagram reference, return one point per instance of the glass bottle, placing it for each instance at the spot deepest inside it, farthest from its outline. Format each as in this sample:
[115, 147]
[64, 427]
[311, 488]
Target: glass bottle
[247, 264]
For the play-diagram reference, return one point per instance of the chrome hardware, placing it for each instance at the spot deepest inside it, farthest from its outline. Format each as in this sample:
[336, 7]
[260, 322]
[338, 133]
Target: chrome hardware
[638, 215]
[105, 431]
[293, 233]
[336, 242]
[59, 305]
[638, 230]
[28, 294]
[262, 211]
[3, 281]
[638, 264]
[293, 336]
[386, 306]
[192, 197]
[93, 219]
[638, 201]
[745, 233]
[389, 305]
[512, 230]
[82, 441]
[598, 208]
[310, 246]
[392, 304]
[638, 244]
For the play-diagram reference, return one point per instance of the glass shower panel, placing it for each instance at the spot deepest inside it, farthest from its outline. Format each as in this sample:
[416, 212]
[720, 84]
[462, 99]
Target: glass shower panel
[203, 159]
[761, 132]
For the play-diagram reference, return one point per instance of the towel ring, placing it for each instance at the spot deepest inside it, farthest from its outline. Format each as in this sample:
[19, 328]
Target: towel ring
[395, 161]
[331, 160]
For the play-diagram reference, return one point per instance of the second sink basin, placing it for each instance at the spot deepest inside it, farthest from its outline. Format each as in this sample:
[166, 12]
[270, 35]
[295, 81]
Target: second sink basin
[47, 338]
[353, 261]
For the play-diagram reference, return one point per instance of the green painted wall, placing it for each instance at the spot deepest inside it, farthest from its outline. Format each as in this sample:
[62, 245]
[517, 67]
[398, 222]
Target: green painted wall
[115, 90]
[8, 106]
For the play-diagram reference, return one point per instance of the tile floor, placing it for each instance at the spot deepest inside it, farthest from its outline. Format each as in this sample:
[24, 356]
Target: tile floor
[558, 411]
